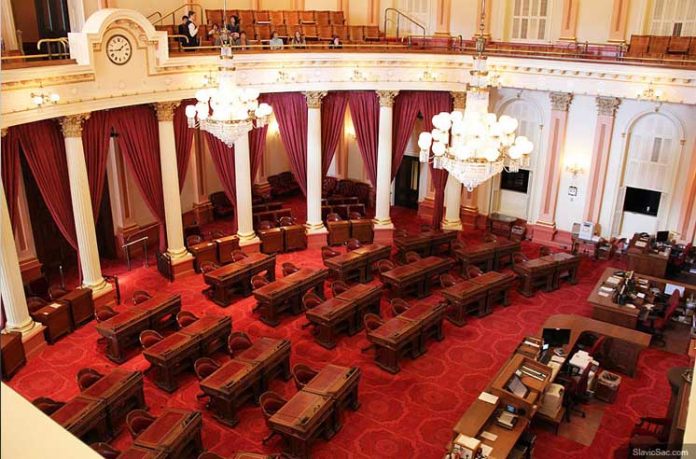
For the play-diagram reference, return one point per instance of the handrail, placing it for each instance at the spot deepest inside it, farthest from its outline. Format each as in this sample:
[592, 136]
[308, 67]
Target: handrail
[63, 41]
[401, 14]
[187, 7]
[152, 14]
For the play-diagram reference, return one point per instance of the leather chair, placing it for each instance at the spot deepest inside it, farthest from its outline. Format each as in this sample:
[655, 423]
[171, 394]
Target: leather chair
[271, 237]
[355, 216]
[258, 281]
[655, 324]
[270, 403]
[328, 252]
[575, 391]
[48, 406]
[411, 257]
[302, 374]
[137, 421]
[385, 265]
[399, 306]
[86, 377]
[472, 271]
[105, 450]
[140, 296]
[339, 229]
[204, 367]
[294, 237]
[237, 342]
[149, 338]
[338, 287]
[288, 268]
[55, 292]
[446, 280]
[544, 251]
[103, 313]
[285, 220]
[489, 237]
[310, 300]
[184, 318]
[208, 266]
[193, 240]
[238, 255]
[371, 322]
[518, 258]
[352, 244]
[362, 230]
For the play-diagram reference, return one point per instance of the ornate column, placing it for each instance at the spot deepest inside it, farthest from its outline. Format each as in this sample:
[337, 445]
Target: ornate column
[545, 228]
[181, 258]
[619, 18]
[14, 302]
[82, 210]
[242, 180]
[9, 32]
[453, 189]
[314, 223]
[569, 22]
[604, 128]
[382, 220]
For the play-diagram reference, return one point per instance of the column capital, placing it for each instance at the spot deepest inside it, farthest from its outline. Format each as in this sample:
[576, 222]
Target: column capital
[165, 110]
[459, 100]
[314, 98]
[607, 106]
[386, 98]
[72, 125]
[560, 101]
[3, 132]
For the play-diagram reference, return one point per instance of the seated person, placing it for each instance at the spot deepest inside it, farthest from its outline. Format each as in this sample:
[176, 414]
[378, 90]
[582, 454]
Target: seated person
[298, 40]
[183, 30]
[335, 42]
[242, 42]
[233, 28]
[214, 35]
[276, 42]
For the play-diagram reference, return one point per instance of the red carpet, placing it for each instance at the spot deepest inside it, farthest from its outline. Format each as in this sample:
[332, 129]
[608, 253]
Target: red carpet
[407, 415]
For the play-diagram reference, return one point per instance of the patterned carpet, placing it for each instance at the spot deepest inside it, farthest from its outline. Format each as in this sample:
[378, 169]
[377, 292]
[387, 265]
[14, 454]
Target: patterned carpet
[407, 415]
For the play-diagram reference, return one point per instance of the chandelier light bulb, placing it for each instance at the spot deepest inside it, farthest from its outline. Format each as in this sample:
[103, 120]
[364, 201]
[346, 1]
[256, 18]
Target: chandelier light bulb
[425, 139]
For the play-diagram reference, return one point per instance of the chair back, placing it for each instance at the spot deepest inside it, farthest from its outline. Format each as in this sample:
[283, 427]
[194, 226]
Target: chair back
[385, 265]
[184, 318]
[286, 221]
[140, 296]
[105, 450]
[446, 280]
[597, 345]
[672, 306]
[266, 225]
[208, 266]
[472, 271]
[338, 287]
[137, 421]
[86, 377]
[193, 240]
[149, 338]
[238, 255]
[333, 217]
[270, 403]
[258, 281]
[237, 342]
[204, 367]
[372, 321]
[355, 216]
[302, 374]
[48, 406]
[328, 252]
[35, 303]
[55, 292]
[289, 268]
[311, 300]
[519, 257]
[581, 386]
[103, 313]
[412, 257]
[399, 306]
[352, 244]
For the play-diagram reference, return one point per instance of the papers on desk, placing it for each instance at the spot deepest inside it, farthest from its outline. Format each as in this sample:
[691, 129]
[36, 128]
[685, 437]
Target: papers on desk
[613, 280]
[486, 450]
[604, 294]
[604, 288]
[630, 305]
[641, 295]
[641, 244]
[488, 436]
[54, 305]
[488, 398]
[649, 306]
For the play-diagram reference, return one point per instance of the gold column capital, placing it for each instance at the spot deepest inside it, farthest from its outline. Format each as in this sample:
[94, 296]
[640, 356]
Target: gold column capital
[560, 101]
[314, 98]
[459, 100]
[72, 125]
[607, 106]
[386, 98]
[3, 132]
[165, 110]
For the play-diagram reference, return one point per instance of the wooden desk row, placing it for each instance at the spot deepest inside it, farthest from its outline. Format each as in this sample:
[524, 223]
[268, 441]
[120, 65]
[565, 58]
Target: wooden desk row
[416, 276]
[122, 331]
[174, 434]
[487, 256]
[546, 272]
[218, 251]
[357, 263]
[316, 409]
[643, 259]
[477, 294]
[426, 243]
[246, 377]
[236, 277]
[286, 294]
[406, 334]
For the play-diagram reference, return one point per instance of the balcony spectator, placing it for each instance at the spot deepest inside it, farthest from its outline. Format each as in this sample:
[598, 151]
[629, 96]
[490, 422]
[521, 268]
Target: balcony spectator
[183, 30]
[214, 35]
[276, 42]
[192, 29]
[298, 40]
[335, 42]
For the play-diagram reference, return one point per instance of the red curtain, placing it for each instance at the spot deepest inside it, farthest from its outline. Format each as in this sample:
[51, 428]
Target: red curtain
[433, 103]
[11, 174]
[333, 111]
[183, 138]
[290, 110]
[257, 148]
[406, 108]
[139, 143]
[96, 134]
[364, 110]
[223, 159]
[44, 149]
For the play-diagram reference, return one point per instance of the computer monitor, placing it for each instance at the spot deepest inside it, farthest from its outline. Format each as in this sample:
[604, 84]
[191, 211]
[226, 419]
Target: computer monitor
[662, 236]
[670, 288]
[556, 337]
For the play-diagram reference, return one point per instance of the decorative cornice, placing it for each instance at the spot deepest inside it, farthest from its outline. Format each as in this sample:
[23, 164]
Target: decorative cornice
[165, 110]
[72, 125]
[459, 100]
[607, 106]
[386, 98]
[314, 98]
[560, 101]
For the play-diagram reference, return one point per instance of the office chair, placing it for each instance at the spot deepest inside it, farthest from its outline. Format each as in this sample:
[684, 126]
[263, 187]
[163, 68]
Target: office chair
[237, 342]
[184, 318]
[656, 325]
[338, 287]
[399, 306]
[137, 421]
[302, 374]
[270, 403]
[576, 391]
[86, 377]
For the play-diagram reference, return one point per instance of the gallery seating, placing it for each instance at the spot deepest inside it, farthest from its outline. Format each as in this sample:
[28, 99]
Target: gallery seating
[283, 184]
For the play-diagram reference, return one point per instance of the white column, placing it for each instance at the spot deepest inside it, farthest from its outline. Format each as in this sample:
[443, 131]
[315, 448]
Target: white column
[170, 181]
[13, 299]
[242, 179]
[76, 15]
[82, 204]
[384, 160]
[314, 223]
[9, 33]
[453, 189]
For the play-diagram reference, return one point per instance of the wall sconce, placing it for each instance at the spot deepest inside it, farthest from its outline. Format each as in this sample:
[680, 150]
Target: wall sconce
[428, 75]
[652, 94]
[349, 131]
[358, 75]
[41, 98]
[575, 168]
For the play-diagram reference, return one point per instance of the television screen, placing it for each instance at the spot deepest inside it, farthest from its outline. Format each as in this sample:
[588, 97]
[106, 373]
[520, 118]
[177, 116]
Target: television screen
[556, 337]
[641, 201]
[662, 236]
[515, 181]
[670, 288]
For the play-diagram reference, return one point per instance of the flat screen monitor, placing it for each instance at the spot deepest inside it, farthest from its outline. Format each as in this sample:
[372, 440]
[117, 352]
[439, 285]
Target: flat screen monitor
[556, 337]
[662, 236]
[670, 288]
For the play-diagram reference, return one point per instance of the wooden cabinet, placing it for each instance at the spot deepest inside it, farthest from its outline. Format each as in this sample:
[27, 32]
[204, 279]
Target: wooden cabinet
[12, 353]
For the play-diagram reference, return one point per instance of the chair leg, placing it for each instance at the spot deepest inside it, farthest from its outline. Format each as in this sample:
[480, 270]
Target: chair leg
[365, 349]
[268, 437]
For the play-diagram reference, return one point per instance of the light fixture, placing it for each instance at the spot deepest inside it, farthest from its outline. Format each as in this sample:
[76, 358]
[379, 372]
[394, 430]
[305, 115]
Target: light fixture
[475, 146]
[428, 75]
[575, 168]
[41, 98]
[650, 93]
[228, 112]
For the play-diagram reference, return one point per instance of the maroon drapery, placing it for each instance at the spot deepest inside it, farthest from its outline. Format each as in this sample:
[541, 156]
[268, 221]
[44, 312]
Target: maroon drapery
[138, 140]
[406, 108]
[96, 133]
[290, 110]
[257, 148]
[433, 103]
[44, 149]
[333, 111]
[364, 110]
[11, 175]
[183, 139]
[223, 159]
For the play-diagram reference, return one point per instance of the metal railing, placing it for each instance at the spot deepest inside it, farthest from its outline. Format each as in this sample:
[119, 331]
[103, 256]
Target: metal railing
[61, 43]
[399, 15]
[172, 14]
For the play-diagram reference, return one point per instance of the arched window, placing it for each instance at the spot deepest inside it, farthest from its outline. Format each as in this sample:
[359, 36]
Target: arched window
[652, 154]
[673, 17]
[530, 19]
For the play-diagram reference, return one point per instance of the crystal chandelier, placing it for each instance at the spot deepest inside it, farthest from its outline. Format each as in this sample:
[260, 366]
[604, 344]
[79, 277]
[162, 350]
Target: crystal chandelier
[475, 146]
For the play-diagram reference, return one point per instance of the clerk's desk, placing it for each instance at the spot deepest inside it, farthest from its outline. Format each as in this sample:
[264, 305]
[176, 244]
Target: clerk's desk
[481, 415]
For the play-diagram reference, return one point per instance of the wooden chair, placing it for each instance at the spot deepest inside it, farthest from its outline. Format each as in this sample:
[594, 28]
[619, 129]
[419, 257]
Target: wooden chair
[398, 306]
[352, 244]
[246, 17]
[270, 403]
[262, 16]
[48, 406]
[411, 257]
[258, 281]
[356, 33]
[288, 268]
[237, 342]
[472, 271]
[323, 18]
[276, 18]
[184, 318]
[337, 18]
[638, 45]
[238, 255]
[105, 450]
[371, 322]
[308, 17]
[385, 265]
[137, 421]
[204, 367]
[371, 33]
[140, 296]
[86, 377]
[302, 374]
[149, 338]
[338, 287]
[292, 18]
[310, 300]
[446, 280]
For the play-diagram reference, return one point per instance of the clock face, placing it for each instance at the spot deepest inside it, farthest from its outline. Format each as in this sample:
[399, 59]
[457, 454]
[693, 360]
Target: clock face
[119, 49]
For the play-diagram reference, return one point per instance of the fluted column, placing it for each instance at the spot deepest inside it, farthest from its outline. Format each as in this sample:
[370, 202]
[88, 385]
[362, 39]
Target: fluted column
[453, 189]
[384, 159]
[170, 181]
[82, 205]
[242, 180]
[314, 223]
[604, 128]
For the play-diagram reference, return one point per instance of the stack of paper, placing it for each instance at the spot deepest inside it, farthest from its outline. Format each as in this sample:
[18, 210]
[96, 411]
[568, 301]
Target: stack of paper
[488, 398]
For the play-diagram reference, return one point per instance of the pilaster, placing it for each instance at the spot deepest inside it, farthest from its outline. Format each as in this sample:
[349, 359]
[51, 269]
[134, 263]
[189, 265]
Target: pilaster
[569, 21]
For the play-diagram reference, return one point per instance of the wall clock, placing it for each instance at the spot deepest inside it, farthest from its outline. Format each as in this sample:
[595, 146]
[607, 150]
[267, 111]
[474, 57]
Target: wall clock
[119, 49]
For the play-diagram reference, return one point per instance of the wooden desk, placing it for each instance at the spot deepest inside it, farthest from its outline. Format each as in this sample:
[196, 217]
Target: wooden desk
[171, 356]
[81, 305]
[497, 286]
[466, 297]
[85, 418]
[236, 277]
[479, 255]
[122, 331]
[225, 246]
[272, 356]
[643, 259]
[535, 273]
[426, 243]
[286, 293]
[121, 391]
[565, 263]
[396, 337]
[212, 332]
[429, 318]
[176, 433]
[203, 252]
[338, 383]
[358, 262]
[344, 313]
[501, 225]
[302, 419]
[416, 275]
[12, 354]
[230, 387]
[504, 248]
